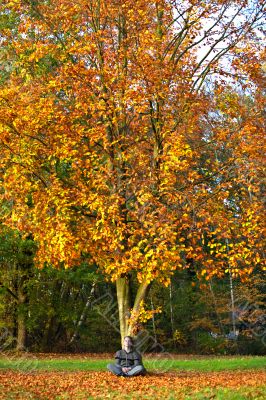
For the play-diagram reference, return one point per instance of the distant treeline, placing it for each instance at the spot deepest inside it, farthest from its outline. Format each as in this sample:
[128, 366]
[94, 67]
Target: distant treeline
[75, 310]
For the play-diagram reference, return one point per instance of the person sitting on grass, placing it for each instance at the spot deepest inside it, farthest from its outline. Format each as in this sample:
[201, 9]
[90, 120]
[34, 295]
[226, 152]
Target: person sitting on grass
[128, 361]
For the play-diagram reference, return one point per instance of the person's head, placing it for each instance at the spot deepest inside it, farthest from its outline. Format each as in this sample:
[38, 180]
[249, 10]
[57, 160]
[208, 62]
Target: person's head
[128, 342]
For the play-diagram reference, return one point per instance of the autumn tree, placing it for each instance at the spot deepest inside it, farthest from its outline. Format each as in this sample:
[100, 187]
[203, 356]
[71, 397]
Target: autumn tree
[106, 150]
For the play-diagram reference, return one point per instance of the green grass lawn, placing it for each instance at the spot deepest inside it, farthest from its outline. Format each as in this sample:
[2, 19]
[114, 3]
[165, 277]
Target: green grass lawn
[152, 364]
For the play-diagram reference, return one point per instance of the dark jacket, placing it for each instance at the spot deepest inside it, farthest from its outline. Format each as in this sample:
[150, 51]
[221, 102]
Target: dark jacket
[130, 359]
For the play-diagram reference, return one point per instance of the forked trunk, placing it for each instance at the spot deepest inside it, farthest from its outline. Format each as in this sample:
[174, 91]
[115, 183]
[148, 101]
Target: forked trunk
[124, 302]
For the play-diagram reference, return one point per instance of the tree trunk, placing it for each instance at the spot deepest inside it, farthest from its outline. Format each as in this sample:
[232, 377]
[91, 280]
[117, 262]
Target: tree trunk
[232, 295]
[142, 293]
[232, 303]
[154, 326]
[83, 314]
[21, 321]
[123, 299]
[171, 308]
[216, 308]
[124, 302]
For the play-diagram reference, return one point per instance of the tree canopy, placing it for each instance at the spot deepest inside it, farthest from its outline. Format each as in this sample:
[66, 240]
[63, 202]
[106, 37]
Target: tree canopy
[131, 134]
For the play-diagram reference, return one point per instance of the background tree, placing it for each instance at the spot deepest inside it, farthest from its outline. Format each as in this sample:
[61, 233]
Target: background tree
[16, 265]
[48, 309]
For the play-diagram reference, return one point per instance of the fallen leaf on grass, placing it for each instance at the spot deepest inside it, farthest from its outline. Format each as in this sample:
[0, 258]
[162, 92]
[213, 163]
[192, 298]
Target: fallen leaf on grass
[104, 385]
